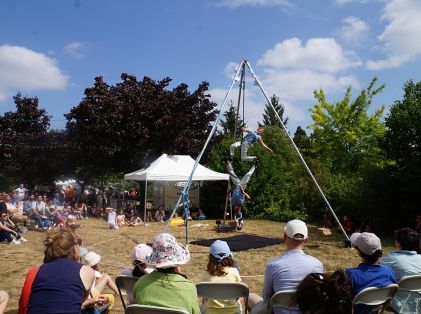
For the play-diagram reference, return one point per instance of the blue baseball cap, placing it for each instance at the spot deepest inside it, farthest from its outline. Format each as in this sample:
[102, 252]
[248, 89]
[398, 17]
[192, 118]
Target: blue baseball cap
[220, 250]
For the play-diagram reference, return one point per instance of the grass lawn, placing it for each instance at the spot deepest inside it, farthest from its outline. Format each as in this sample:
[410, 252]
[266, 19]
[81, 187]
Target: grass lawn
[115, 247]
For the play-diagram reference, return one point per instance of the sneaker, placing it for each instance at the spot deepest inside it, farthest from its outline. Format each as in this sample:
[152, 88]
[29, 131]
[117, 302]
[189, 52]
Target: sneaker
[14, 242]
[36, 227]
[23, 239]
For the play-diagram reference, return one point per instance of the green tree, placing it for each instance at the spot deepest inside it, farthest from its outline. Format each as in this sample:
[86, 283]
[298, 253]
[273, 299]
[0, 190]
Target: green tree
[302, 140]
[403, 146]
[269, 117]
[231, 124]
[345, 136]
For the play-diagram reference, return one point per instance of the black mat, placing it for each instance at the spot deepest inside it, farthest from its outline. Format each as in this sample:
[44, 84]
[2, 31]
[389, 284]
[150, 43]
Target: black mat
[242, 242]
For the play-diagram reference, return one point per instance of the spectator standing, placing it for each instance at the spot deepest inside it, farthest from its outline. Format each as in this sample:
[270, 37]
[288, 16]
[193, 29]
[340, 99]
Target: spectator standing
[69, 194]
[21, 192]
[112, 218]
[370, 273]
[405, 261]
[288, 270]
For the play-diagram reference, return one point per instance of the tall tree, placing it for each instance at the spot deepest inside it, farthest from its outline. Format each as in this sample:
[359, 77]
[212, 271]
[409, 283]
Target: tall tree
[231, 123]
[302, 140]
[25, 143]
[345, 135]
[269, 116]
[119, 128]
[403, 146]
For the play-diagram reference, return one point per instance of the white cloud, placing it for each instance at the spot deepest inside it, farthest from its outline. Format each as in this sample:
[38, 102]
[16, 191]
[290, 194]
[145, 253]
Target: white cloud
[75, 49]
[343, 2]
[353, 29]
[234, 4]
[298, 85]
[320, 54]
[293, 71]
[27, 70]
[230, 70]
[401, 35]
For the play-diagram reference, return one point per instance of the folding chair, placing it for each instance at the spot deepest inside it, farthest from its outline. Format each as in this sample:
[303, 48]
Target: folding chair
[410, 283]
[149, 309]
[223, 291]
[283, 299]
[125, 285]
[376, 296]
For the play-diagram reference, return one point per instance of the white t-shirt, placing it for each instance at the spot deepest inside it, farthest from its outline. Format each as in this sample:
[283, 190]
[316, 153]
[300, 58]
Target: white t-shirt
[111, 217]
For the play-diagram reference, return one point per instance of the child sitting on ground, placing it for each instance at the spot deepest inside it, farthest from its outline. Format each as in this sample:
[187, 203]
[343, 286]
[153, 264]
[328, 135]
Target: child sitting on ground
[221, 268]
[136, 220]
[121, 218]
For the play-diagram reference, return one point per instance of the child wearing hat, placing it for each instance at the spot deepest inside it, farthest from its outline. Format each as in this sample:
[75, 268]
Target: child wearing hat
[92, 259]
[221, 268]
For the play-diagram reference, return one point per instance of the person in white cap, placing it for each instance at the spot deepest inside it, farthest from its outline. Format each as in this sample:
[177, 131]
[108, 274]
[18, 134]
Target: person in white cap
[139, 253]
[370, 273]
[286, 271]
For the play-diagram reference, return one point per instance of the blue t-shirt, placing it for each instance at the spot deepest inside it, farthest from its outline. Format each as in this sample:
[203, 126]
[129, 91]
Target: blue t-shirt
[237, 197]
[251, 137]
[369, 275]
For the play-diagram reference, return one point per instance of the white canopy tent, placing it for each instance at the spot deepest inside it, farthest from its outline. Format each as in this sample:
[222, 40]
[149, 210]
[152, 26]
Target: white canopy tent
[174, 168]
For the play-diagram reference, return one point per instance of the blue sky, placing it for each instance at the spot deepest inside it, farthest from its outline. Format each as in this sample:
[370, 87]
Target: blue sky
[54, 49]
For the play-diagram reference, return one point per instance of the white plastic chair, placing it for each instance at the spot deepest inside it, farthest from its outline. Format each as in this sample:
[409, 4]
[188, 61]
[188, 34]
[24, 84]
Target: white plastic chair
[223, 291]
[410, 283]
[376, 296]
[125, 284]
[150, 309]
[283, 299]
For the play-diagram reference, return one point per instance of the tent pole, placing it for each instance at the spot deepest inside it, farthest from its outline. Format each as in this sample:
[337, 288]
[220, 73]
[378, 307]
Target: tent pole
[226, 202]
[297, 150]
[146, 195]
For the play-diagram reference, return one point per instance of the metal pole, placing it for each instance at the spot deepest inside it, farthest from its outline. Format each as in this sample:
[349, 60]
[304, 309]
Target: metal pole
[297, 150]
[215, 125]
[146, 198]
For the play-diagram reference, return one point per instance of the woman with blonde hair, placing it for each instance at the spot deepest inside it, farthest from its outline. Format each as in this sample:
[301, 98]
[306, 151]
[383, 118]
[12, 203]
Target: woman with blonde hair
[61, 284]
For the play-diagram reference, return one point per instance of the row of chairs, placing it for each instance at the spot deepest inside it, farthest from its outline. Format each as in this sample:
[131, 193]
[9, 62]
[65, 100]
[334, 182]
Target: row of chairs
[374, 296]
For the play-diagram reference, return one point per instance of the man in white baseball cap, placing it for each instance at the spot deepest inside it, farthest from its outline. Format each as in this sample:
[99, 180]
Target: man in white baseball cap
[287, 271]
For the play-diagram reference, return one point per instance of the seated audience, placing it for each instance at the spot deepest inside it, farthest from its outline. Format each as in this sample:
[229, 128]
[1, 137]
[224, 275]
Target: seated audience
[166, 286]
[9, 232]
[77, 211]
[405, 261]
[288, 270]
[221, 268]
[324, 294]
[160, 214]
[370, 273]
[139, 253]
[39, 213]
[135, 220]
[4, 298]
[121, 218]
[200, 215]
[61, 284]
[101, 281]
[52, 212]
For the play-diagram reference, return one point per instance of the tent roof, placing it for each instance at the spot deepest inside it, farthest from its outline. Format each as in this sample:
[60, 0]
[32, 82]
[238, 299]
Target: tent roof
[175, 168]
